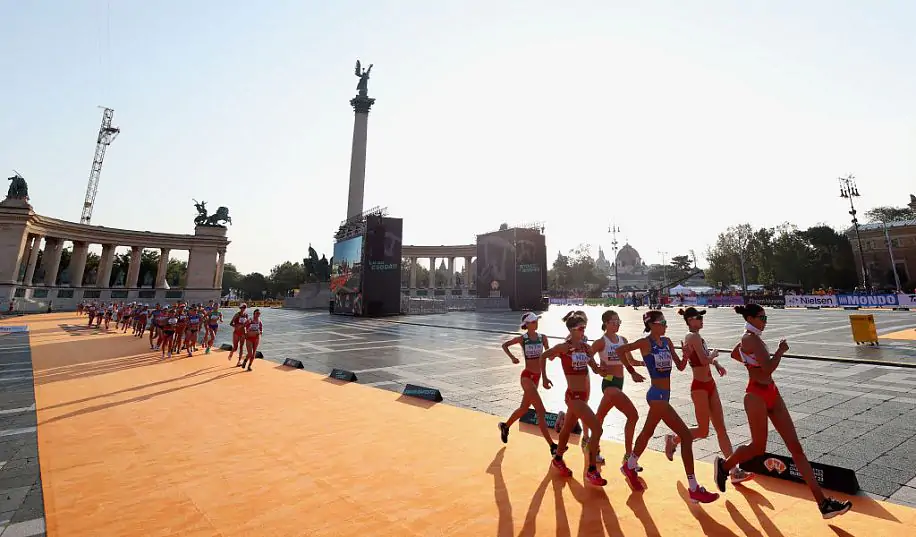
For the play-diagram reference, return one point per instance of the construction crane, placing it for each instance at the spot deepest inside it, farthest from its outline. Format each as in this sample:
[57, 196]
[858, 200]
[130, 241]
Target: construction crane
[107, 134]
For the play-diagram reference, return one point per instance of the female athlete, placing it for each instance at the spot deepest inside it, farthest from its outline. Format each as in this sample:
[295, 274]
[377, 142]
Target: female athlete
[576, 361]
[253, 330]
[533, 346]
[658, 353]
[762, 401]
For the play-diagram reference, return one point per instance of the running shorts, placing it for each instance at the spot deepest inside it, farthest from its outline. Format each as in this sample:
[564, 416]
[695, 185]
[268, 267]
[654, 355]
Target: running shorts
[768, 392]
[576, 396]
[708, 386]
[535, 376]
[611, 381]
[657, 394]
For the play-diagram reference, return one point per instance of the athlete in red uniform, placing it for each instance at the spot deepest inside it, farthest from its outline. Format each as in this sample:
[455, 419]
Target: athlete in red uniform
[238, 331]
[763, 401]
[575, 357]
[253, 330]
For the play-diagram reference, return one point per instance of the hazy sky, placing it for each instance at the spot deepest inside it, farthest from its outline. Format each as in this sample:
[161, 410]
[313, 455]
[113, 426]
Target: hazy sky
[674, 119]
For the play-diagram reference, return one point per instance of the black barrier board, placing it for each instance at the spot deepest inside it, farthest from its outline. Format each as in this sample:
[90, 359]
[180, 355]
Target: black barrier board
[770, 301]
[422, 392]
[550, 418]
[781, 467]
[530, 269]
[225, 347]
[496, 265]
[850, 308]
[291, 362]
[382, 266]
[343, 374]
[259, 354]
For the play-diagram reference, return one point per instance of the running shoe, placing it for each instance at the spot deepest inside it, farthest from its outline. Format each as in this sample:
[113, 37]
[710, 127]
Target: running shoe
[720, 474]
[831, 507]
[561, 467]
[249, 368]
[594, 478]
[740, 476]
[503, 432]
[207, 350]
[626, 460]
[631, 476]
[670, 446]
[701, 495]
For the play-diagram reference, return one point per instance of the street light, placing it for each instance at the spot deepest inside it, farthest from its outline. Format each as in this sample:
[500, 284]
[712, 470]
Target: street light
[849, 191]
[614, 230]
[665, 266]
[890, 252]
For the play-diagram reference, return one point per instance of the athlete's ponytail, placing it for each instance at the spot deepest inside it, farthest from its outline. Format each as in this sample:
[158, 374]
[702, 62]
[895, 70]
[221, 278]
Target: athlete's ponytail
[680, 312]
[748, 311]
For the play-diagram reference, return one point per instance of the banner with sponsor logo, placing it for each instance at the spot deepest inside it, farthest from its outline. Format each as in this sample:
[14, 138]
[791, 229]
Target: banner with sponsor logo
[907, 301]
[804, 301]
[13, 329]
[868, 301]
[765, 300]
[725, 301]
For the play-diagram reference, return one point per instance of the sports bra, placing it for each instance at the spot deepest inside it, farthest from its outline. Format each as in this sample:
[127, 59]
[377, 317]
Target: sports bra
[575, 362]
[658, 361]
[692, 356]
[533, 346]
[611, 358]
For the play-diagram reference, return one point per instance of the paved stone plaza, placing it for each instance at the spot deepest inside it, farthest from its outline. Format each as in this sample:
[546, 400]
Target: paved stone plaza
[855, 415]
[21, 502]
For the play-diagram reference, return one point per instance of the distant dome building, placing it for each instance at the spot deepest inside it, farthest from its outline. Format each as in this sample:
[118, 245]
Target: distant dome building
[629, 261]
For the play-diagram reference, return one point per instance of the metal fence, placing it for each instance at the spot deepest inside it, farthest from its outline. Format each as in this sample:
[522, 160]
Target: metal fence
[423, 306]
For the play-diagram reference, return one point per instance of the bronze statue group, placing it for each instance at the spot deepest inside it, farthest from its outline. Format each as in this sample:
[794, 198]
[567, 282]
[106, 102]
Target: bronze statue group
[762, 401]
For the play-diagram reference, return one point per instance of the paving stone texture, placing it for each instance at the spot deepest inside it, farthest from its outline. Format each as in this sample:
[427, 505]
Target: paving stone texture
[856, 415]
[21, 502]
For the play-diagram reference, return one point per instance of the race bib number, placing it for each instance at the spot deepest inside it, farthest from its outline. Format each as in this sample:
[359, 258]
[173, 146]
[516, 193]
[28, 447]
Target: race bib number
[533, 350]
[663, 360]
[579, 360]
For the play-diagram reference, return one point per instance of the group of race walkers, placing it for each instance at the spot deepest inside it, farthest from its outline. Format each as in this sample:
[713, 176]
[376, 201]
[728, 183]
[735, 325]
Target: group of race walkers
[180, 327]
[762, 401]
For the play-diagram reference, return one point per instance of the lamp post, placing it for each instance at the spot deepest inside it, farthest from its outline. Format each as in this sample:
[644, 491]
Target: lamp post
[614, 230]
[890, 251]
[849, 191]
[665, 266]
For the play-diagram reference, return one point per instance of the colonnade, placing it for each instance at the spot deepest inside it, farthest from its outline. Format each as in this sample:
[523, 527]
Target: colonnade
[53, 250]
[467, 280]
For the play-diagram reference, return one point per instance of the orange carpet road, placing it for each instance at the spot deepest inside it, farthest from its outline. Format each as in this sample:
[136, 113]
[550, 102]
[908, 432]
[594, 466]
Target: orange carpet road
[133, 446]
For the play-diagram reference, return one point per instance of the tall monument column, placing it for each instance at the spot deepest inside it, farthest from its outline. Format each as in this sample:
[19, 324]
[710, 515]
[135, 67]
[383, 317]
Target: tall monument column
[361, 105]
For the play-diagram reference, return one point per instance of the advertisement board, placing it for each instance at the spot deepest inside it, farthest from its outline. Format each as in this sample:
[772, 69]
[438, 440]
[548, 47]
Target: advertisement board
[725, 300]
[868, 301]
[804, 301]
[765, 300]
[530, 269]
[381, 284]
[907, 300]
[347, 276]
[496, 264]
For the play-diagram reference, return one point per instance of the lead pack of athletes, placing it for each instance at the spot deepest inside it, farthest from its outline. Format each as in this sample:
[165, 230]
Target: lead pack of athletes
[762, 402]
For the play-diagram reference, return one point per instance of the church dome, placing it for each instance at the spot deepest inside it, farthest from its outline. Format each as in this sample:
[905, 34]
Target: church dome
[628, 258]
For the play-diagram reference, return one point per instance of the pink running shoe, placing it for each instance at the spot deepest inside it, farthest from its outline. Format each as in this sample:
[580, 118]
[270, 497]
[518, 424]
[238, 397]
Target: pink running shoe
[702, 496]
[561, 467]
[595, 479]
[670, 446]
[740, 476]
[632, 477]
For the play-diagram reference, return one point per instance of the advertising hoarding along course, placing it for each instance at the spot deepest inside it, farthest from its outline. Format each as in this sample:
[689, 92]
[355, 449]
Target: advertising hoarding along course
[804, 301]
[872, 301]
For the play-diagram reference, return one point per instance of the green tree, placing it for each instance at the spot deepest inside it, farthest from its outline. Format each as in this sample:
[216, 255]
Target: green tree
[176, 273]
[231, 278]
[286, 277]
[890, 214]
[253, 286]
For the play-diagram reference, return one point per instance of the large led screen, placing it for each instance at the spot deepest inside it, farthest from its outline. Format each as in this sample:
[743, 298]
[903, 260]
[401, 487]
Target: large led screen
[347, 268]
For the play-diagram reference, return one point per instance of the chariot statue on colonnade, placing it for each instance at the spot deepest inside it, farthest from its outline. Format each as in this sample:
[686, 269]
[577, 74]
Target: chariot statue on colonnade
[19, 189]
[213, 220]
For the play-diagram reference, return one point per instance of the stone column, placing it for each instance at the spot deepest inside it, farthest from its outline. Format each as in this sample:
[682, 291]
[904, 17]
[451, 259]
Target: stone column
[159, 282]
[78, 263]
[451, 272]
[467, 272]
[52, 254]
[220, 265]
[201, 267]
[413, 272]
[133, 270]
[361, 105]
[103, 278]
[33, 260]
[432, 272]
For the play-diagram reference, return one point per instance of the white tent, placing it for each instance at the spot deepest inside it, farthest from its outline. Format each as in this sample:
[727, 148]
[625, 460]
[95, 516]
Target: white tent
[679, 290]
